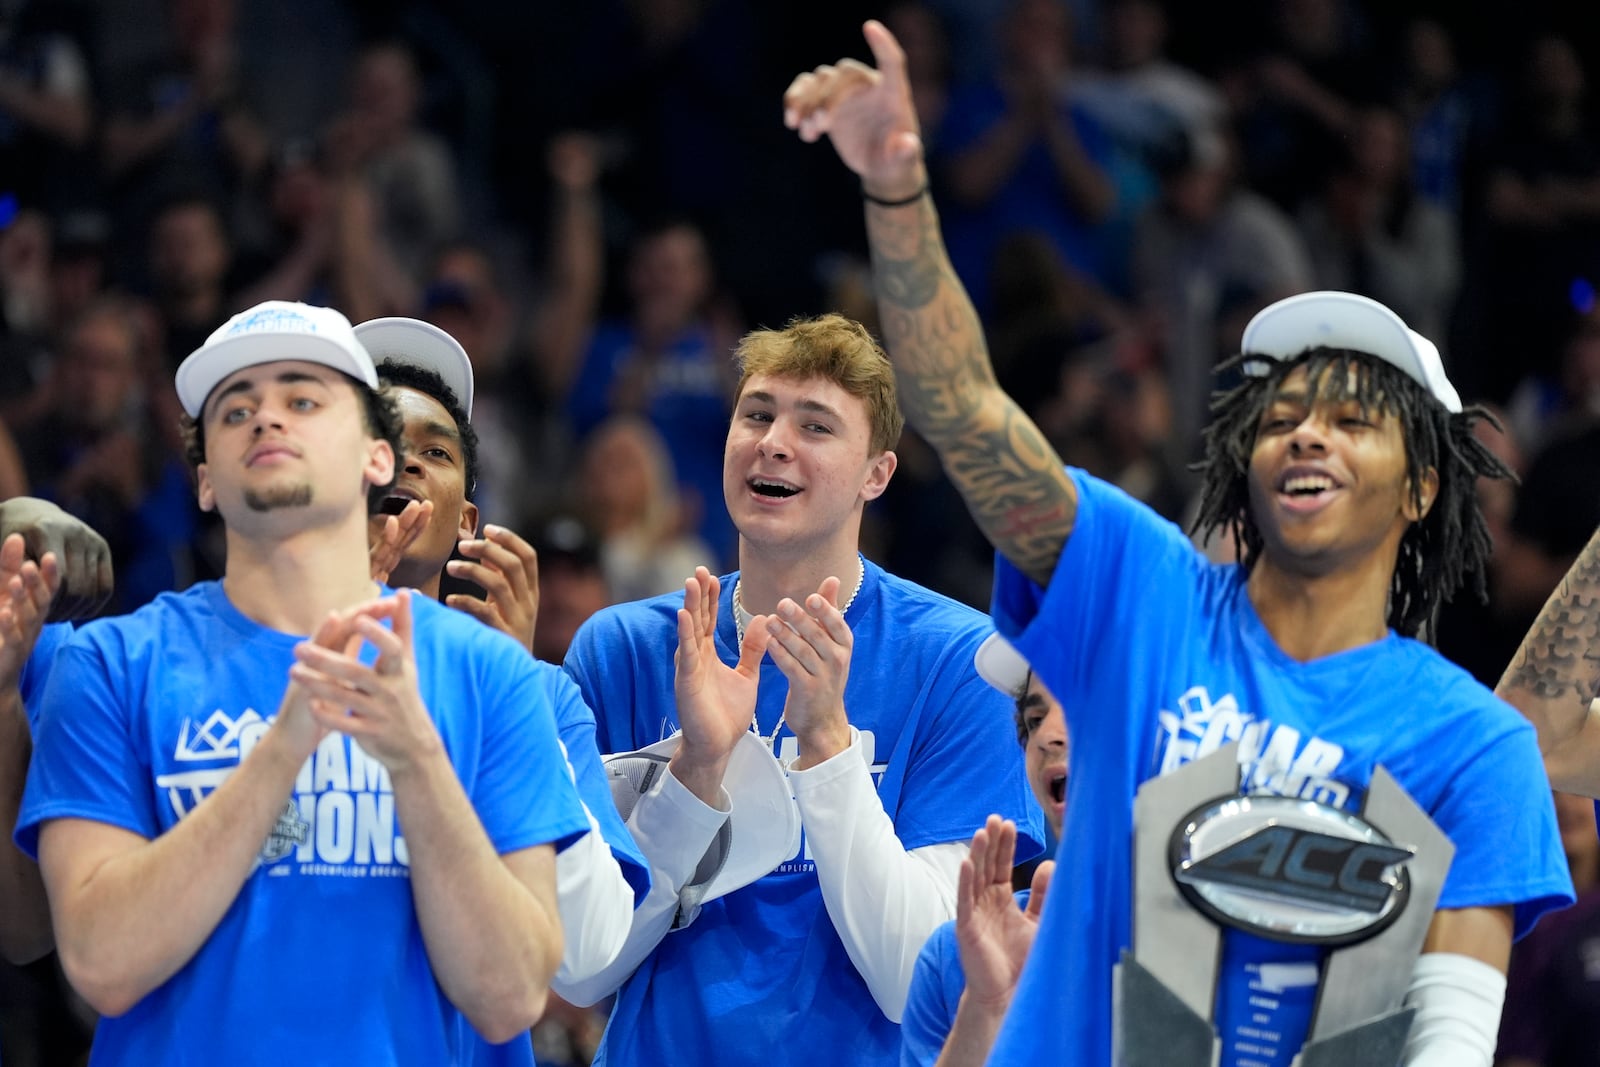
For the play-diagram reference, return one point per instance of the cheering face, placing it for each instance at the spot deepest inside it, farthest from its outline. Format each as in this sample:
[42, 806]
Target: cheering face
[432, 469]
[286, 439]
[798, 465]
[1046, 751]
[1328, 484]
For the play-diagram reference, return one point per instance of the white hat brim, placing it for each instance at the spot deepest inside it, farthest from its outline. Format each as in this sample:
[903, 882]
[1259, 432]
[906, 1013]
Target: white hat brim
[420, 344]
[1001, 665]
[214, 362]
[1289, 328]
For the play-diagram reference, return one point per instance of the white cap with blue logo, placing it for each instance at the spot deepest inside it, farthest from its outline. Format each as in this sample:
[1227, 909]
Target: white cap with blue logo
[271, 332]
[1286, 330]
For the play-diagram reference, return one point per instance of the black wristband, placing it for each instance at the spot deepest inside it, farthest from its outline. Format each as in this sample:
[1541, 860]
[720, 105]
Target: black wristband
[902, 202]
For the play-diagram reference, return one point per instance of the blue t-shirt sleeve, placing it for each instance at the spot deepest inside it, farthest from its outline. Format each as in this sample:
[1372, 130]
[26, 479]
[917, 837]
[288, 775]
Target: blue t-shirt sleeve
[85, 760]
[36, 671]
[576, 724]
[1117, 553]
[598, 661]
[966, 763]
[936, 986]
[523, 793]
[1498, 804]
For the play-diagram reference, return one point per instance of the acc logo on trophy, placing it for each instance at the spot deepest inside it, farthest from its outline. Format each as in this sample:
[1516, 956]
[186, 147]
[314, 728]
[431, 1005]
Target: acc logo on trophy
[1289, 870]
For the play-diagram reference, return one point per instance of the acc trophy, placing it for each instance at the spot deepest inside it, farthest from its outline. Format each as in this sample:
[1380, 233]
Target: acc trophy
[1364, 886]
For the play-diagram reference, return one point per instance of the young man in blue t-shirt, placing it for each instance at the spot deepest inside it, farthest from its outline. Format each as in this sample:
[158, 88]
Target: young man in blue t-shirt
[362, 824]
[1344, 466]
[429, 376]
[797, 933]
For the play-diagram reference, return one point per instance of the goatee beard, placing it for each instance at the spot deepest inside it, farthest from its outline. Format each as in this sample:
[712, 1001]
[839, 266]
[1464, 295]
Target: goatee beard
[282, 496]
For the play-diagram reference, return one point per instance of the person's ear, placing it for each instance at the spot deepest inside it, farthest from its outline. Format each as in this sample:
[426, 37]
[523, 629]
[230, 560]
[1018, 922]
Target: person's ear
[878, 475]
[380, 465]
[1429, 492]
[205, 496]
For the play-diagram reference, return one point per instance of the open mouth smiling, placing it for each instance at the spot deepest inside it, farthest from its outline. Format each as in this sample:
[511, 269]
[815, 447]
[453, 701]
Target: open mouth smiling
[1304, 486]
[772, 489]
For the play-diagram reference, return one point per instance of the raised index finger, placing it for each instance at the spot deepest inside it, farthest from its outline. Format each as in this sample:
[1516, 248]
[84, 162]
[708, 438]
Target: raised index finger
[886, 51]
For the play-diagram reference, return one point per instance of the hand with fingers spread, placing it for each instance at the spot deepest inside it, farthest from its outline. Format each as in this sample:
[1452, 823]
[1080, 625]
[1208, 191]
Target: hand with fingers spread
[26, 590]
[82, 555]
[868, 114]
[995, 935]
[391, 535]
[507, 568]
[716, 702]
[811, 646]
[377, 705]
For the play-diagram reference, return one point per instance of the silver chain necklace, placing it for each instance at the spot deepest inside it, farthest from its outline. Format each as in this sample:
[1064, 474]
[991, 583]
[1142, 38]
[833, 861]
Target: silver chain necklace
[741, 619]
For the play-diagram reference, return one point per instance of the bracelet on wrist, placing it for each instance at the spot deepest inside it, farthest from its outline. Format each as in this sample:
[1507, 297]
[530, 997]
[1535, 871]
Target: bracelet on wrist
[902, 202]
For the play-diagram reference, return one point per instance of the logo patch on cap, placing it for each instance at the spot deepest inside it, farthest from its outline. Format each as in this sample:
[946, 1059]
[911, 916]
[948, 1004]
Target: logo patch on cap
[274, 320]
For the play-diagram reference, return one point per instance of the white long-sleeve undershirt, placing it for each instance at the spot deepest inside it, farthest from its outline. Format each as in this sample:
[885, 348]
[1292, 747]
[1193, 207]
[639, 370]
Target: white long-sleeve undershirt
[673, 828]
[883, 899]
[596, 905]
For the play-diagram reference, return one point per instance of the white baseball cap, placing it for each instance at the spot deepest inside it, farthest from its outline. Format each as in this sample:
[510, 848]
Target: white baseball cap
[1287, 329]
[420, 344]
[268, 333]
[762, 830]
[1001, 665]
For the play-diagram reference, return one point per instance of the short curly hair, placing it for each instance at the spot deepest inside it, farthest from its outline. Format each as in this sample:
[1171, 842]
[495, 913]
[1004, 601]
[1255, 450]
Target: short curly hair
[379, 413]
[1449, 547]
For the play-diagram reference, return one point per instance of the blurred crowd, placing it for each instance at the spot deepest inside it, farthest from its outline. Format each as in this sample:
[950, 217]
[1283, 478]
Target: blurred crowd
[597, 199]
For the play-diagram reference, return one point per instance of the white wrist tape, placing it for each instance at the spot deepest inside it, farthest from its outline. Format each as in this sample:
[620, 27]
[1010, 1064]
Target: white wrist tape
[1458, 1001]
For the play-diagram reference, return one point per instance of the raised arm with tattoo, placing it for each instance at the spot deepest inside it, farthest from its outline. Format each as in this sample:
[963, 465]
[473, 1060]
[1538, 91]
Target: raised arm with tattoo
[1011, 478]
[1555, 677]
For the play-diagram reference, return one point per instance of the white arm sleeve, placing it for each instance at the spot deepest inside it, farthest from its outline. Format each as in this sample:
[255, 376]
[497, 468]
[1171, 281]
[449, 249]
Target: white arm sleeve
[596, 904]
[883, 900]
[673, 828]
[1458, 1001]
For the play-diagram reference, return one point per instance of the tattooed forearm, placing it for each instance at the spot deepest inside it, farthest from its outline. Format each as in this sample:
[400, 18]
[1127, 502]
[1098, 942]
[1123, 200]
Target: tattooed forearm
[1556, 671]
[905, 269]
[1016, 489]
[929, 324]
[1011, 478]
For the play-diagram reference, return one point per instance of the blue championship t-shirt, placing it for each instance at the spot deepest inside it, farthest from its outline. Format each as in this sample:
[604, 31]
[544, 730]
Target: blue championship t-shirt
[320, 958]
[1158, 658]
[761, 976]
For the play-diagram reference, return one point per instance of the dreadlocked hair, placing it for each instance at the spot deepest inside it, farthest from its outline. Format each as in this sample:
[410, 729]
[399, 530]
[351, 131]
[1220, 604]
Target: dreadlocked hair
[1447, 548]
